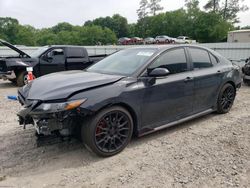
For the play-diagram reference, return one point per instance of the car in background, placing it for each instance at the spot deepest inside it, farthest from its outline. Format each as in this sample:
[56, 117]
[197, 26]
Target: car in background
[149, 40]
[136, 40]
[184, 40]
[135, 91]
[45, 60]
[164, 39]
[124, 41]
[246, 72]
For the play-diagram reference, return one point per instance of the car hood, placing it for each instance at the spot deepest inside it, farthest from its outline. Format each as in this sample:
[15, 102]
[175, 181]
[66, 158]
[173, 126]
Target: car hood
[22, 53]
[63, 85]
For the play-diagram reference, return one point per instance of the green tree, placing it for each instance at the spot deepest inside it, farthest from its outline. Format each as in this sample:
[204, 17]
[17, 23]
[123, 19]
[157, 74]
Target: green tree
[154, 6]
[132, 29]
[9, 29]
[25, 35]
[142, 11]
[231, 8]
[116, 23]
[64, 26]
[245, 27]
[45, 37]
[92, 35]
[212, 5]
[120, 25]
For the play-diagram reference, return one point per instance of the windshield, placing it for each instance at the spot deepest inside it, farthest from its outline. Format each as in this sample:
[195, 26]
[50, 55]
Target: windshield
[39, 51]
[124, 62]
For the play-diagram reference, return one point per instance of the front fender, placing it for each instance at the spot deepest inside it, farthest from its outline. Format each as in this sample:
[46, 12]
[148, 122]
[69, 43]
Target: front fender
[17, 63]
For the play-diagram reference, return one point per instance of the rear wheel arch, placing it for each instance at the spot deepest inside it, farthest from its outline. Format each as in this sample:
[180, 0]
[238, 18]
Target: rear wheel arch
[220, 107]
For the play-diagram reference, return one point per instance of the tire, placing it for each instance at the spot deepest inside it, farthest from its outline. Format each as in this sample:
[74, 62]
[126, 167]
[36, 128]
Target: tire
[167, 41]
[101, 136]
[226, 98]
[247, 82]
[21, 78]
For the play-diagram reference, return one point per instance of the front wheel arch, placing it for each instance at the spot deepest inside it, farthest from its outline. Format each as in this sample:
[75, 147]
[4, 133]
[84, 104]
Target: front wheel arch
[89, 127]
[129, 109]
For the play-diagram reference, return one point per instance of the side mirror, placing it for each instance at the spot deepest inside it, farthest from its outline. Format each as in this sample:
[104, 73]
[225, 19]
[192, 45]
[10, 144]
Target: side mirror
[49, 55]
[159, 72]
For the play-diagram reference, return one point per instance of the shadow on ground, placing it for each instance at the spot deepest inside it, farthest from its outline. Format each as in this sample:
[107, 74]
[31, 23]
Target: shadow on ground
[20, 154]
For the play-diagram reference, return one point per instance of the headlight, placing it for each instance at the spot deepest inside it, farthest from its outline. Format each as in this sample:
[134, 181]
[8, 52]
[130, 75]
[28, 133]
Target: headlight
[57, 107]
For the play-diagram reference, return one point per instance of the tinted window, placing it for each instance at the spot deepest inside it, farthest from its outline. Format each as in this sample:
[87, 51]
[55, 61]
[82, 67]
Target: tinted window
[56, 56]
[174, 60]
[200, 58]
[75, 52]
[124, 62]
[57, 52]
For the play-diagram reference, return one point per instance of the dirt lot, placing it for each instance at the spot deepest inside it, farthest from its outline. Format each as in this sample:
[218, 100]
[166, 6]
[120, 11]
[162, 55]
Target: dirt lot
[212, 151]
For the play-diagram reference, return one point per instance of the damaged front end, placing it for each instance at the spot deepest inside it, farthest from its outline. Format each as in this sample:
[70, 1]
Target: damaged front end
[51, 117]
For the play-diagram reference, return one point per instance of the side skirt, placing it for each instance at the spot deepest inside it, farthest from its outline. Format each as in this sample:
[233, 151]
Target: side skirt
[149, 130]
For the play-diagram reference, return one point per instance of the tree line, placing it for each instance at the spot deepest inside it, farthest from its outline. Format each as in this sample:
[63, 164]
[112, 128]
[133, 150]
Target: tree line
[210, 24]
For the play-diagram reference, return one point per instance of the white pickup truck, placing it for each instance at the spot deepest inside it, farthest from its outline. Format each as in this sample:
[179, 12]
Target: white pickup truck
[184, 40]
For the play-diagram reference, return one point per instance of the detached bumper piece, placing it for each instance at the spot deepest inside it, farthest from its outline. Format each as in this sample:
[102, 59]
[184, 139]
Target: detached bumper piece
[48, 124]
[50, 128]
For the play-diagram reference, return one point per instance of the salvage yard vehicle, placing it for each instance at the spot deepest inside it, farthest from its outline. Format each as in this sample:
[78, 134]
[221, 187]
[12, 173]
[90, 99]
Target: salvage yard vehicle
[246, 72]
[134, 91]
[136, 40]
[149, 40]
[45, 60]
[164, 39]
[124, 41]
[184, 40]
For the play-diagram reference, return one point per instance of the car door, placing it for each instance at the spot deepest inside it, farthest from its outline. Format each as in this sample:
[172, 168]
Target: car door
[52, 61]
[207, 78]
[171, 97]
[76, 58]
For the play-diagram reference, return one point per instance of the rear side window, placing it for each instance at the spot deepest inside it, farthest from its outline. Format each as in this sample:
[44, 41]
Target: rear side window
[200, 58]
[174, 60]
[75, 52]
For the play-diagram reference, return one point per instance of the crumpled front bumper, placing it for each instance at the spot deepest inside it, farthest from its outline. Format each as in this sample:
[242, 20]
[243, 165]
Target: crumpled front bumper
[48, 123]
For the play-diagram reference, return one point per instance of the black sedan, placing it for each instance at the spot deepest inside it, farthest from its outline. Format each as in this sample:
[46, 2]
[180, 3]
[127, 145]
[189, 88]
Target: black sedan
[134, 91]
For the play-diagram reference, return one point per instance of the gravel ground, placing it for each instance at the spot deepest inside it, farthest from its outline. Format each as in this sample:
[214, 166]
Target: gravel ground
[212, 151]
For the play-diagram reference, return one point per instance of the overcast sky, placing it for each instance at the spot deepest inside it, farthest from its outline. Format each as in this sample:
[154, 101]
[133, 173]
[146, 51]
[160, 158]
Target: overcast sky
[47, 13]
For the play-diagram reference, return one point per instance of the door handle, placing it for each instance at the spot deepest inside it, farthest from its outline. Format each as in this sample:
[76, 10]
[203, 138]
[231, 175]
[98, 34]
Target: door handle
[188, 79]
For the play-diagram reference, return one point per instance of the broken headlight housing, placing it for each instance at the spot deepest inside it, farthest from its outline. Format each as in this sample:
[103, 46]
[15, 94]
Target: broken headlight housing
[58, 107]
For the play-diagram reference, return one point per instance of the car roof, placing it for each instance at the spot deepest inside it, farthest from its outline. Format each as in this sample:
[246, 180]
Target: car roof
[169, 46]
[63, 46]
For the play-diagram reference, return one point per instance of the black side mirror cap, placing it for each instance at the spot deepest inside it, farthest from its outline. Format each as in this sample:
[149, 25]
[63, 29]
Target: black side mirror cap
[159, 72]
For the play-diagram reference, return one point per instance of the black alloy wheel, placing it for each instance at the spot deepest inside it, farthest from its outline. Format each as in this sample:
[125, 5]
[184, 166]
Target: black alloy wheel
[226, 98]
[108, 132]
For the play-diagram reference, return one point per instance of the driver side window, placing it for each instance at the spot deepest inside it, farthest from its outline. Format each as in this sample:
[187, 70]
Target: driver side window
[55, 55]
[175, 61]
